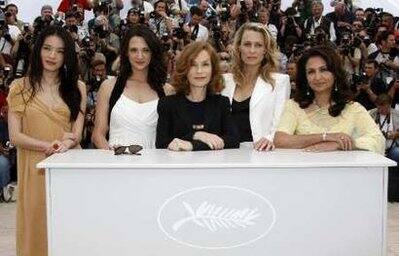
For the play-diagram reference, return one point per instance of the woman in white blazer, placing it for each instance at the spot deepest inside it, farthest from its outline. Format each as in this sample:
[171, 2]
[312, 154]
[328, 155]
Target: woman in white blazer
[257, 93]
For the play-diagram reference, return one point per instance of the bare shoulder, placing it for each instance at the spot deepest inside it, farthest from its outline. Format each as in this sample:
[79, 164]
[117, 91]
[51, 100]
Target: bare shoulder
[82, 87]
[107, 86]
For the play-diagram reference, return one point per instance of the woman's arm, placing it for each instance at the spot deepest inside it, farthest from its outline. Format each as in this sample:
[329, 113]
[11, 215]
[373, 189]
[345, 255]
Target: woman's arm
[369, 136]
[22, 140]
[285, 140]
[101, 115]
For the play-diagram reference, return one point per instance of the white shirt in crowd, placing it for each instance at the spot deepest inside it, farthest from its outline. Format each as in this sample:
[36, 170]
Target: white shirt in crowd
[128, 5]
[203, 33]
[5, 46]
[317, 23]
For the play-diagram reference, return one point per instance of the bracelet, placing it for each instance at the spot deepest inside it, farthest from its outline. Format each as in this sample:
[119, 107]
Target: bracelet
[324, 135]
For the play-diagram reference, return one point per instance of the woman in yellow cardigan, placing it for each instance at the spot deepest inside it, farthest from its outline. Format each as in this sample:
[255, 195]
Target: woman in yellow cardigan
[321, 116]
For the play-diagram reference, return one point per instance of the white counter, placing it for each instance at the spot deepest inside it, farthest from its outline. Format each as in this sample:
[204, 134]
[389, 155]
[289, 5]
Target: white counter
[232, 202]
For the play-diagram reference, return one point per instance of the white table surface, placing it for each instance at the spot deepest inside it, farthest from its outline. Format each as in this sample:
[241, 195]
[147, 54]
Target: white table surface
[229, 158]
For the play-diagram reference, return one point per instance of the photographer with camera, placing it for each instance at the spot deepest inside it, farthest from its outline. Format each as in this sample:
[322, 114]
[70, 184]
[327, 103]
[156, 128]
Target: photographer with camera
[387, 119]
[247, 13]
[387, 20]
[369, 85]
[11, 12]
[342, 19]
[350, 53]
[360, 14]
[264, 17]
[178, 7]
[158, 21]
[43, 21]
[8, 35]
[290, 25]
[75, 17]
[387, 56]
[106, 41]
[22, 50]
[143, 6]
[318, 20]
[97, 75]
[197, 31]
[111, 9]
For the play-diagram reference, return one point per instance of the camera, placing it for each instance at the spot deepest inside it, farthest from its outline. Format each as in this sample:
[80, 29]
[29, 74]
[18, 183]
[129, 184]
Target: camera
[243, 6]
[26, 27]
[104, 2]
[8, 14]
[224, 12]
[165, 42]
[100, 31]
[5, 73]
[179, 32]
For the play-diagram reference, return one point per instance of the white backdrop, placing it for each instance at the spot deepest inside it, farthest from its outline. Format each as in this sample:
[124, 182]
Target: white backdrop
[29, 9]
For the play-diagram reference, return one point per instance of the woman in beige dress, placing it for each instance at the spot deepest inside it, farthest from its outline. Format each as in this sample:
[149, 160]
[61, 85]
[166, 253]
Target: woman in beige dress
[45, 117]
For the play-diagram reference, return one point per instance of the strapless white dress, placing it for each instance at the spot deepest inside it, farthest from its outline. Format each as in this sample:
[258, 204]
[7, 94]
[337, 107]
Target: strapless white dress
[133, 123]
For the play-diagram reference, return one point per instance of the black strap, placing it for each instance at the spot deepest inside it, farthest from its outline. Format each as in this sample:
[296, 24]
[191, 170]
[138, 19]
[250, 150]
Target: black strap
[180, 6]
[194, 34]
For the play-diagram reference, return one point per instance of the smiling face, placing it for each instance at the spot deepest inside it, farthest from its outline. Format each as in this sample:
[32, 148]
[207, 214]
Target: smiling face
[200, 72]
[320, 79]
[52, 53]
[139, 53]
[252, 48]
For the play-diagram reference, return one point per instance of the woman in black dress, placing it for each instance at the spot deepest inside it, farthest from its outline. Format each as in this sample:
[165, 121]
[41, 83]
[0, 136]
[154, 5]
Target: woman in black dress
[197, 117]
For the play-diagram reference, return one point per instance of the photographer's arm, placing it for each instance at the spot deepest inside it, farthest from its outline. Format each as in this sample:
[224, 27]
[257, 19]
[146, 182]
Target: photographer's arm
[15, 47]
[392, 65]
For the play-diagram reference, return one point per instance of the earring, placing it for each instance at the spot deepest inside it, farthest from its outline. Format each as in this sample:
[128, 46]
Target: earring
[336, 87]
[65, 69]
[307, 91]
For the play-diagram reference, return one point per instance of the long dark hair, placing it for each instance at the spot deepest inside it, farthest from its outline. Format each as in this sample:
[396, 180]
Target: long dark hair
[340, 94]
[157, 72]
[68, 74]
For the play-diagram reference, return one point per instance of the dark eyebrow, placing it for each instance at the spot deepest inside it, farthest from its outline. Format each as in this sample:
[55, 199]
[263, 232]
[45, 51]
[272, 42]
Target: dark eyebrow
[61, 48]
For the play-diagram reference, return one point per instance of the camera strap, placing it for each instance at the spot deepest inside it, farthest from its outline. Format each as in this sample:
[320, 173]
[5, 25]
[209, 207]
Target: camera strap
[387, 120]
[4, 44]
[180, 6]
[194, 34]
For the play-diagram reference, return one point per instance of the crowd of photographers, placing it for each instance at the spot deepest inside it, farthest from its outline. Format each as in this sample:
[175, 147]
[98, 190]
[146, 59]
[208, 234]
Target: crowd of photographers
[366, 39]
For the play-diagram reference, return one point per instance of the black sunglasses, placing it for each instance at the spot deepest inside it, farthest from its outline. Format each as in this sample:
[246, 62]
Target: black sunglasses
[132, 150]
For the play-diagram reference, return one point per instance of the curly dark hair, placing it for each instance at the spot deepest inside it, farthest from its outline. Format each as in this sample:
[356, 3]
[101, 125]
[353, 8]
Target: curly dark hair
[68, 74]
[340, 96]
[157, 71]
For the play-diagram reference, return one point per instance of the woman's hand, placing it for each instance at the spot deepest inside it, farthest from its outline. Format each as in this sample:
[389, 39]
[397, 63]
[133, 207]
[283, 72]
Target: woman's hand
[264, 144]
[212, 140]
[180, 145]
[323, 147]
[55, 146]
[344, 141]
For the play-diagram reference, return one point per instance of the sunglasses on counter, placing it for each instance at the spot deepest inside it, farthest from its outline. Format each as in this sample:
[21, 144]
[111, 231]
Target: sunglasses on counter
[130, 150]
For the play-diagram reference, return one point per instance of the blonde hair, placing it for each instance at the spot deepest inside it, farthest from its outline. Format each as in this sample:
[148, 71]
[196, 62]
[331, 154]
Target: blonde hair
[270, 62]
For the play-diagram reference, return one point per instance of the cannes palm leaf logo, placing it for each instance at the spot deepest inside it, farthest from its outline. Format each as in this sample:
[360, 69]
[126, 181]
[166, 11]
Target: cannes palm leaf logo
[213, 217]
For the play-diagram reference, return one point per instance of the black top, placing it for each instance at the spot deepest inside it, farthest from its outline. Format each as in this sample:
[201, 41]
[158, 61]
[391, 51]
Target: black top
[197, 112]
[240, 115]
[181, 118]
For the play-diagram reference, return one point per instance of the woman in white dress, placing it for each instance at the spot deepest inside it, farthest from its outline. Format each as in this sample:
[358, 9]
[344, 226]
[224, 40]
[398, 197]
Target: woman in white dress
[127, 105]
[256, 92]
